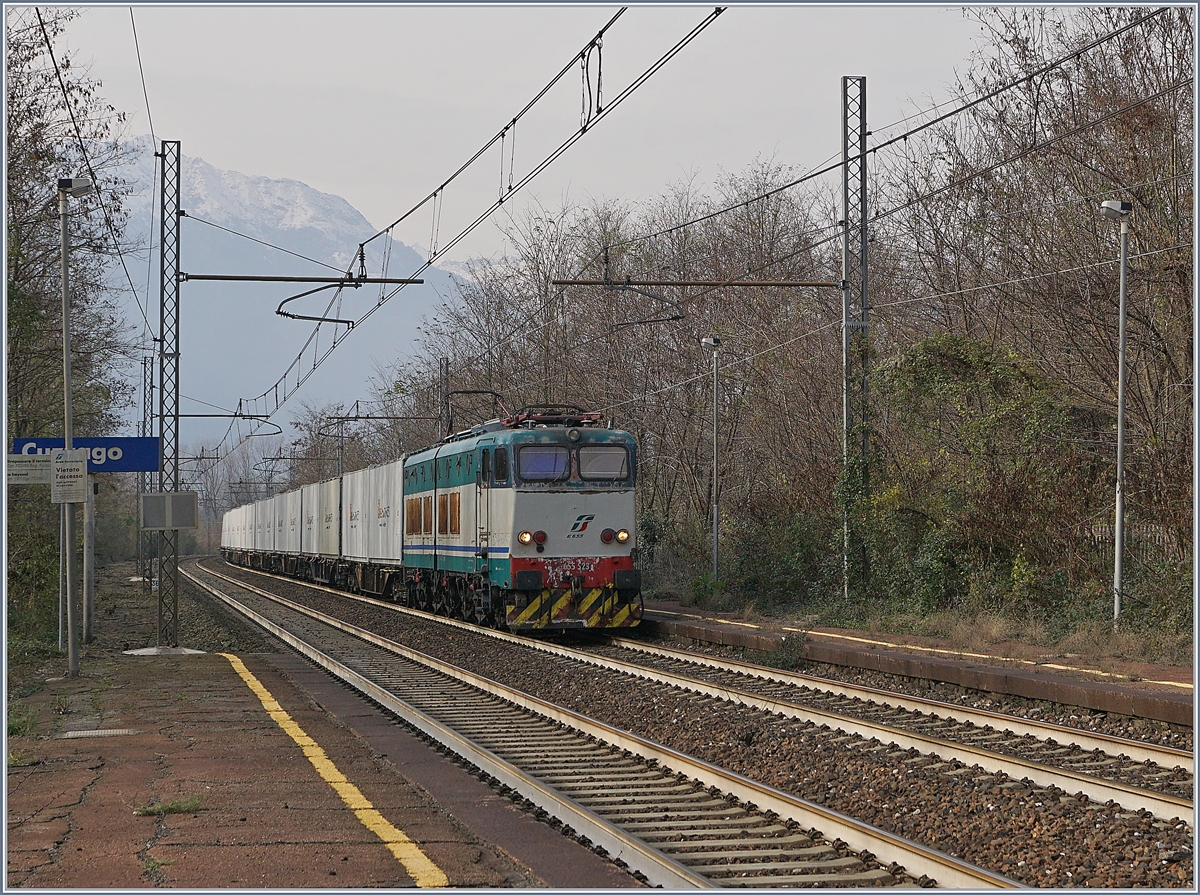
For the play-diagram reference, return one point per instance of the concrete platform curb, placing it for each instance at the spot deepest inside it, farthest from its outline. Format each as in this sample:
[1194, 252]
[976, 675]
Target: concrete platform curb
[1123, 699]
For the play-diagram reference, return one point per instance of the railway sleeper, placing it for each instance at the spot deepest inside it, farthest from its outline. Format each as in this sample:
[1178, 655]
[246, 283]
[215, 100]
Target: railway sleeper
[738, 836]
[582, 761]
[721, 869]
[694, 858]
[630, 798]
[647, 791]
[569, 782]
[557, 736]
[823, 880]
[551, 751]
[684, 846]
[716, 808]
[759, 826]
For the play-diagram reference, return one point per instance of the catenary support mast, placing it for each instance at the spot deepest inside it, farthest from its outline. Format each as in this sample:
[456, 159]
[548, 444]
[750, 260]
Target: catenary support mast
[855, 305]
[168, 391]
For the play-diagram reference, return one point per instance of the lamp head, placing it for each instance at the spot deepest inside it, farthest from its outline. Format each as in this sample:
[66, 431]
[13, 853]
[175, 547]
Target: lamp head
[1115, 210]
[75, 186]
[712, 343]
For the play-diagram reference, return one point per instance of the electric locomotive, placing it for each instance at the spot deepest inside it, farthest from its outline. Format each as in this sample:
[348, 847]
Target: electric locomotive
[524, 523]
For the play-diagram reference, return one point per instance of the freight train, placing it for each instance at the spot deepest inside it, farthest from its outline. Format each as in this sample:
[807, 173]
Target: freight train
[524, 524]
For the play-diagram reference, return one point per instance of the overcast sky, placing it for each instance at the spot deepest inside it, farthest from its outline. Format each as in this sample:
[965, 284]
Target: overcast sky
[380, 104]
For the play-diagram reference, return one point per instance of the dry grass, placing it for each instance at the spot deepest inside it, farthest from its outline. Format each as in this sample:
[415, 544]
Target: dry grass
[1101, 643]
[187, 805]
[1096, 644]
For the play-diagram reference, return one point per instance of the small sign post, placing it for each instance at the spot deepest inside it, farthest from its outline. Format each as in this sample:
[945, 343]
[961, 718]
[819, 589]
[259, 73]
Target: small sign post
[68, 476]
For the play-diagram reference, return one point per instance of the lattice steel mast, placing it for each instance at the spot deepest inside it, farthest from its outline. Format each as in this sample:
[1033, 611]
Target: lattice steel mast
[168, 391]
[855, 484]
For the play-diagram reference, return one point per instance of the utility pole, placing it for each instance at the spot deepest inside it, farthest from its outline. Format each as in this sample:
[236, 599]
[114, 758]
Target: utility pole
[1116, 210]
[713, 343]
[444, 420]
[89, 561]
[146, 540]
[77, 187]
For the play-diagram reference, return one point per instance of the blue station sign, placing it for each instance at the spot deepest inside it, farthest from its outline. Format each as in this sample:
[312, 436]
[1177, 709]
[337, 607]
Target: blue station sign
[104, 454]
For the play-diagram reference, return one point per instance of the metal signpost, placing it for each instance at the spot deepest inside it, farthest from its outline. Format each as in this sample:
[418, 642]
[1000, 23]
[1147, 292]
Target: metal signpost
[40, 461]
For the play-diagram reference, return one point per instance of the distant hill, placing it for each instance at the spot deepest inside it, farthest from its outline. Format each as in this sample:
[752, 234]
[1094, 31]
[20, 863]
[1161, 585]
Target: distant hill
[233, 345]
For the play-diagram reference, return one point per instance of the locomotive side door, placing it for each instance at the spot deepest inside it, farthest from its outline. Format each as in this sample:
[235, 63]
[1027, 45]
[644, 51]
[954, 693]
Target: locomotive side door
[483, 490]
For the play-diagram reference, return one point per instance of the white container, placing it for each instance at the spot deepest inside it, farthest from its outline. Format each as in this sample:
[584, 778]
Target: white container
[357, 515]
[310, 511]
[329, 515]
[293, 522]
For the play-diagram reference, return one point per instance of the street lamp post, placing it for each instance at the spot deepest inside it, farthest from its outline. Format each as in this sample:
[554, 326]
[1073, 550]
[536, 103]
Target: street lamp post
[68, 187]
[713, 343]
[1116, 210]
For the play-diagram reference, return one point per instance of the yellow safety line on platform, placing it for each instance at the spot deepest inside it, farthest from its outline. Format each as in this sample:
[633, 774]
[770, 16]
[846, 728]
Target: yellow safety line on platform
[416, 863]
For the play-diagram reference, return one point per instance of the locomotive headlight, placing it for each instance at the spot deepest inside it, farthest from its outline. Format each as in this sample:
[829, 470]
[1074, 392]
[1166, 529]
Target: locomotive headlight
[622, 536]
[525, 537]
[573, 434]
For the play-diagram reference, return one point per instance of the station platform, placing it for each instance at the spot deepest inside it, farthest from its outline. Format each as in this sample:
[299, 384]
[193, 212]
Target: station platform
[1157, 692]
[202, 770]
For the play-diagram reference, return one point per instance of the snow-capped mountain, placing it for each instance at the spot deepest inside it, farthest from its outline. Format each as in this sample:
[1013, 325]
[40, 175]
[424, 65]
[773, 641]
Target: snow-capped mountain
[233, 344]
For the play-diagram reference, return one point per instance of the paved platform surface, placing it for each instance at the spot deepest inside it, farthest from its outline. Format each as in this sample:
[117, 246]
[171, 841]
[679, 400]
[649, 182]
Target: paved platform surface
[150, 771]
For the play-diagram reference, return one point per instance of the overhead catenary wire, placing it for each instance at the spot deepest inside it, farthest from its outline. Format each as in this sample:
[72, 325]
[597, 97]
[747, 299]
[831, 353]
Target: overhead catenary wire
[301, 378]
[154, 166]
[192, 217]
[734, 362]
[500, 135]
[826, 168]
[1015, 157]
[523, 324]
[388, 230]
[88, 162]
[1027, 150]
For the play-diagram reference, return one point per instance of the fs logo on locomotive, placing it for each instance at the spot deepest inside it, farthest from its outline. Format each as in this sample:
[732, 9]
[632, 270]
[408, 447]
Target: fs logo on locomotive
[581, 524]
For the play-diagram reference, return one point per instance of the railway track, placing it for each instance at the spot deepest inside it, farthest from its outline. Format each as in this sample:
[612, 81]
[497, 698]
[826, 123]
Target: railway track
[677, 820]
[1138, 775]
[1034, 832]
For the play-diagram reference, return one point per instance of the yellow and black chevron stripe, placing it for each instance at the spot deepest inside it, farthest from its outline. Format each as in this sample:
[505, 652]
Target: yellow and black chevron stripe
[598, 607]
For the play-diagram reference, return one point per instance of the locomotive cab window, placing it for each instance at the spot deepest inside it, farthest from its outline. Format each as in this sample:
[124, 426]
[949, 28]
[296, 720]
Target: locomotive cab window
[603, 462]
[484, 466]
[543, 462]
[500, 466]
